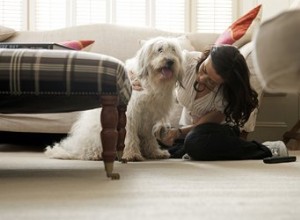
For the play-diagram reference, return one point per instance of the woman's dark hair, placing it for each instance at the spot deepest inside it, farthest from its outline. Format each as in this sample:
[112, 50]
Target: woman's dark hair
[241, 99]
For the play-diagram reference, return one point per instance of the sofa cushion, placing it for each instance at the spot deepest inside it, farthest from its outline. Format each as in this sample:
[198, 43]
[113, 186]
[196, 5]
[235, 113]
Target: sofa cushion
[185, 43]
[5, 33]
[240, 32]
[202, 41]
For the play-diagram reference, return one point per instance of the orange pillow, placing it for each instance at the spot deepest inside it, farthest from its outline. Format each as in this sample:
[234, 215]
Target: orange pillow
[76, 44]
[240, 32]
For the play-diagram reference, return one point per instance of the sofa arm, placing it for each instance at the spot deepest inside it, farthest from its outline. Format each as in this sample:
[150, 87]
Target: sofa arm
[277, 51]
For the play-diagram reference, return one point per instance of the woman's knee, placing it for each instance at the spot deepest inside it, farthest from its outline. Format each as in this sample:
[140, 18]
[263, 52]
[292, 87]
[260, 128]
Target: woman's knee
[205, 141]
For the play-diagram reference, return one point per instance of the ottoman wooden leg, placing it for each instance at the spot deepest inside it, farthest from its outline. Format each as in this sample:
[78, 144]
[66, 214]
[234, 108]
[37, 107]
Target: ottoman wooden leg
[121, 131]
[109, 133]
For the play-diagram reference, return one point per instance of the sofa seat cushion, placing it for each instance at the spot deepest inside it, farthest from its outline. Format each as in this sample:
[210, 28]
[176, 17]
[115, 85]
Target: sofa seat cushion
[45, 77]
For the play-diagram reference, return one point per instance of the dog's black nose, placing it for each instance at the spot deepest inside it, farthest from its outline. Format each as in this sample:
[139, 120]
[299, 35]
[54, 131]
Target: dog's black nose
[170, 63]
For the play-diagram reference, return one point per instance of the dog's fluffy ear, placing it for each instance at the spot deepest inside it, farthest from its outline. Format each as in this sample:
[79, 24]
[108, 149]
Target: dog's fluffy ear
[143, 57]
[181, 66]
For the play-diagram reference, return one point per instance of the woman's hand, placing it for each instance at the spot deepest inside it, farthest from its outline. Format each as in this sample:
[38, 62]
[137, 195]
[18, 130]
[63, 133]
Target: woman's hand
[170, 136]
[167, 136]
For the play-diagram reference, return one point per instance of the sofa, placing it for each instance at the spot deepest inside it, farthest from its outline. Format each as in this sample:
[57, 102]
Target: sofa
[117, 41]
[278, 65]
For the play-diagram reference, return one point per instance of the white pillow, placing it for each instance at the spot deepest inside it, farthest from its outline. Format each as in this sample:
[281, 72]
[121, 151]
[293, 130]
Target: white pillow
[185, 43]
[6, 32]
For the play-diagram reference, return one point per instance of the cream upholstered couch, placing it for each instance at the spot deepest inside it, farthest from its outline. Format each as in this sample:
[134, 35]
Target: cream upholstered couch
[113, 40]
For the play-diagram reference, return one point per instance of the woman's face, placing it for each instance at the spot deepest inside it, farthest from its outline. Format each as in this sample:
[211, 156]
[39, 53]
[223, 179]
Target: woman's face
[208, 75]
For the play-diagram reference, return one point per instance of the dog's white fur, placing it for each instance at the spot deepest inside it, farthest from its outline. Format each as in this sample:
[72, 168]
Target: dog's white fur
[158, 67]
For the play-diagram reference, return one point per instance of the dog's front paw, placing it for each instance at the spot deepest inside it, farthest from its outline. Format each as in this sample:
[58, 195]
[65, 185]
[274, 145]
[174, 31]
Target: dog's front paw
[159, 154]
[132, 157]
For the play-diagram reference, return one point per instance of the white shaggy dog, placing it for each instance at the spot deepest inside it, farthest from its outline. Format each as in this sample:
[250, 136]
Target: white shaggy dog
[157, 67]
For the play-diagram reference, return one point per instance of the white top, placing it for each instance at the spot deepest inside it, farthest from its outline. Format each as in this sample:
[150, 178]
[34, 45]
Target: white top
[193, 108]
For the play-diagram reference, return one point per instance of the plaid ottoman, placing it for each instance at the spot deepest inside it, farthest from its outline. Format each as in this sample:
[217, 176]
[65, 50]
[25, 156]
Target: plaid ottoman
[54, 81]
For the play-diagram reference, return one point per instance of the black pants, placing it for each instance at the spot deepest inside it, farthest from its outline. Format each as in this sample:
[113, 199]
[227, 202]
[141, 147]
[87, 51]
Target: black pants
[212, 141]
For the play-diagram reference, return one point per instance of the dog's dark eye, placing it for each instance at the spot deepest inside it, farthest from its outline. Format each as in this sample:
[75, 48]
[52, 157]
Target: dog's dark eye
[160, 50]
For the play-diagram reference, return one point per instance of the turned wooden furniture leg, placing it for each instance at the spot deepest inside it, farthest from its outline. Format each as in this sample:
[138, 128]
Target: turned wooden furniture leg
[109, 133]
[292, 134]
[121, 131]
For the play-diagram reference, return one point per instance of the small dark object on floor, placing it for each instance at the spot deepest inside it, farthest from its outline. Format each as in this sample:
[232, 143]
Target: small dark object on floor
[280, 159]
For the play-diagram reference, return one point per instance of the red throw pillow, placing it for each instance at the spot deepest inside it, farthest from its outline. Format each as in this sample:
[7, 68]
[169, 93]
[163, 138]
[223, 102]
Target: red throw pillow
[76, 44]
[240, 32]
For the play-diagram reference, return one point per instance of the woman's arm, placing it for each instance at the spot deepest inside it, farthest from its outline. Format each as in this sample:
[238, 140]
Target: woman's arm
[213, 117]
